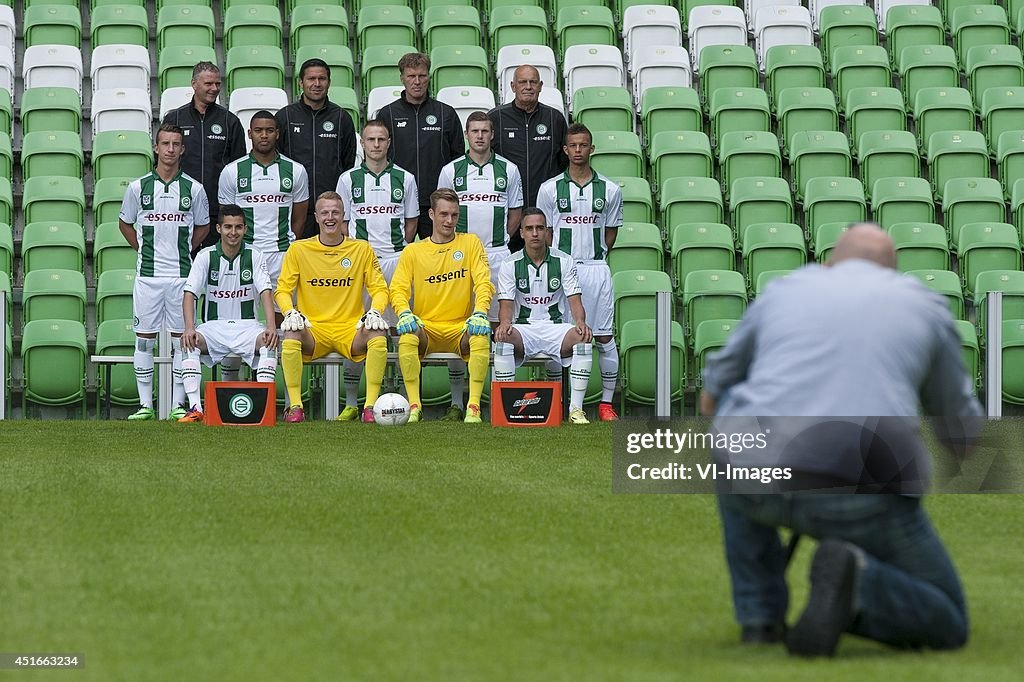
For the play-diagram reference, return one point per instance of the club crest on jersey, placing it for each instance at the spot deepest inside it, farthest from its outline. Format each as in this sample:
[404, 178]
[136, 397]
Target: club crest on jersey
[346, 263]
[563, 204]
[431, 120]
[460, 181]
[186, 202]
[500, 183]
[457, 255]
[523, 283]
[215, 275]
[216, 129]
[328, 126]
[398, 194]
[598, 204]
[554, 283]
[357, 192]
[286, 183]
[243, 182]
[541, 128]
[247, 274]
[147, 198]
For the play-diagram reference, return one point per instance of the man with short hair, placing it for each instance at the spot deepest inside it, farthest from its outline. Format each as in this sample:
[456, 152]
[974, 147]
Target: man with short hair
[584, 208]
[491, 199]
[542, 312]
[317, 133]
[448, 281]
[231, 278]
[381, 207]
[213, 135]
[162, 218]
[425, 133]
[327, 275]
[529, 134]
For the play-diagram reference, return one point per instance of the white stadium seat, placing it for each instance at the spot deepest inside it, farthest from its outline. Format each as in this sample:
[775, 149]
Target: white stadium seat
[750, 8]
[816, 6]
[245, 102]
[781, 26]
[592, 65]
[7, 72]
[511, 57]
[882, 7]
[8, 31]
[659, 65]
[378, 97]
[172, 98]
[714, 25]
[553, 98]
[121, 109]
[467, 99]
[650, 25]
[52, 66]
[120, 66]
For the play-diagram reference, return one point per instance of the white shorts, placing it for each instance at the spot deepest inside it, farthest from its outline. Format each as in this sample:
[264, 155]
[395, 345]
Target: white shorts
[543, 339]
[274, 261]
[388, 265]
[495, 257]
[156, 304]
[230, 336]
[595, 279]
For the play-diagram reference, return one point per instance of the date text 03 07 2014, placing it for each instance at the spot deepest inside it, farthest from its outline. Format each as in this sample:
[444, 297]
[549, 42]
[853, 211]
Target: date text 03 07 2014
[41, 660]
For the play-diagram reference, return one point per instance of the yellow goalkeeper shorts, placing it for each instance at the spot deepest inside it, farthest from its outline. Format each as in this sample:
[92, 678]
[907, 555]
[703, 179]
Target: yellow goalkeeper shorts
[444, 337]
[334, 337]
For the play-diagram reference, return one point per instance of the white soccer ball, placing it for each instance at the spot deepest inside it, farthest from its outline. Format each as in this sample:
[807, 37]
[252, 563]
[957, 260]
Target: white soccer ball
[391, 409]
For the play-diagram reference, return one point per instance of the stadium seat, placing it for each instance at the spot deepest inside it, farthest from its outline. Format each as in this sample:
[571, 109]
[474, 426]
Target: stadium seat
[874, 109]
[738, 109]
[971, 200]
[459, 65]
[466, 100]
[816, 7]
[1016, 206]
[710, 336]
[252, 25]
[254, 66]
[175, 64]
[7, 76]
[887, 154]
[52, 66]
[902, 200]
[766, 277]
[121, 66]
[51, 294]
[107, 196]
[338, 57]
[680, 154]
[829, 199]
[55, 245]
[780, 25]
[6, 108]
[942, 109]
[511, 57]
[1011, 284]
[971, 352]
[911, 25]
[121, 109]
[450, 25]
[52, 25]
[727, 66]
[636, 294]
[6, 201]
[1013, 361]
[956, 154]
[517, 25]
[54, 153]
[6, 156]
[759, 200]
[817, 154]
[976, 26]
[986, 246]
[993, 66]
[117, 337]
[825, 237]
[110, 250]
[53, 355]
[114, 295]
[792, 66]
[8, 28]
[6, 252]
[604, 109]
[617, 153]
[380, 66]
[700, 246]
[637, 203]
[859, 67]
[122, 154]
[637, 247]
[713, 295]
[803, 110]
[772, 246]
[883, 7]
[1001, 110]
[637, 342]
[690, 200]
[1010, 158]
[318, 26]
[592, 66]
[381, 96]
[927, 66]
[181, 25]
[847, 26]
[669, 110]
[920, 246]
[245, 102]
[119, 25]
[655, 66]
[714, 25]
[748, 154]
[584, 25]
[946, 284]
[650, 24]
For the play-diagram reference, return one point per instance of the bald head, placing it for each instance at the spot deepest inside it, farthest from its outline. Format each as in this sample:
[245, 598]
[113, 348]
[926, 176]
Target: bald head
[866, 241]
[526, 85]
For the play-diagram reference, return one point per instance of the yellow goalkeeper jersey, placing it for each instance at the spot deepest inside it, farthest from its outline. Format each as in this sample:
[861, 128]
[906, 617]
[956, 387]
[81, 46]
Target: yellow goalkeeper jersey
[443, 279]
[329, 280]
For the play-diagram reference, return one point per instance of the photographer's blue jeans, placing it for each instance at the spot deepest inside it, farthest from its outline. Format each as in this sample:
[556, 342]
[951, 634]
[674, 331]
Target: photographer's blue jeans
[908, 594]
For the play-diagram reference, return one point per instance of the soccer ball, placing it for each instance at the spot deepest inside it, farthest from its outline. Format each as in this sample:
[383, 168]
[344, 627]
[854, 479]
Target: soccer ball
[391, 409]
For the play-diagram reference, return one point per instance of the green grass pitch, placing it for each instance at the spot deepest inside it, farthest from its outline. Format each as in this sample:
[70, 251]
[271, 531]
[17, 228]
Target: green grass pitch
[429, 552]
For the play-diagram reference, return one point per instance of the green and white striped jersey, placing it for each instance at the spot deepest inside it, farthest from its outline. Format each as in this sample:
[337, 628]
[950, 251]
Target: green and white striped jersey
[541, 292]
[486, 193]
[377, 206]
[266, 195]
[232, 287]
[579, 215]
[164, 216]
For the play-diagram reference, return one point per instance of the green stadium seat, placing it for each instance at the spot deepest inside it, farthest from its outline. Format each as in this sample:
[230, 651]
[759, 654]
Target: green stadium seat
[748, 154]
[107, 196]
[114, 295]
[816, 154]
[252, 25]
[54, 198]
[874, 109]
[767, 276]
[307, 375]
[618, 154]
[1010, 158]
[772, 246]
[846, 26]
[986, 246]
[637, 203]
[912, 25]
[831, 199]
[117, 154]
[5, 287]
[584, 25]
[859, 67]
[185, 25]
[637, 247]
[318, 25]
[1013, 361]
[690, 200]
[451, 25]
[338, 57]
[385, 25]
[51, 109]
[713, 295]
[53, 355]
[459, 65]
[6, 251]
[175, 64]
[680, 153]
[978, 25]
[6, 156]
[59, 246]
[117, 337]
[759, 200]
[948, 7]
[1001, 110]
[52, 153]
[710, 336]
[700, 246]
[738, 109]
[727, 66]
[959, 154]
[53, 25]
[119, 25]
[971, 200]
[380, 66]
[793, 66]
[491, 5]
[902, 200]
[51, 294]
[942, 109]
[6, 201]
[601, 108]
[927, 66]
[971, 352]
[255, 66]
[1017, 207]
[636, 294]
[825, 237]
[637, 343]
[993, 66]
[6, 111]
[669, 109]
[1011, 284]
[887, 154]
[946, 284]
[805, 109]
[110, 250]
[920, 246]
[228, 4]
[1013, 9]
[517, 25]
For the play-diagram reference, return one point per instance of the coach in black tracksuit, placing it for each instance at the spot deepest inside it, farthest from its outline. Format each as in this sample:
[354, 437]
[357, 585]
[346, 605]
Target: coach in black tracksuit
[317, 133]
[213, 136]
[531, 135]
[425, 134]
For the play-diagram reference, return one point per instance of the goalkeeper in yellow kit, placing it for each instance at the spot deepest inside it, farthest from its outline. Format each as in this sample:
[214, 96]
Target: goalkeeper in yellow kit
[449, 280]
[328, 274]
